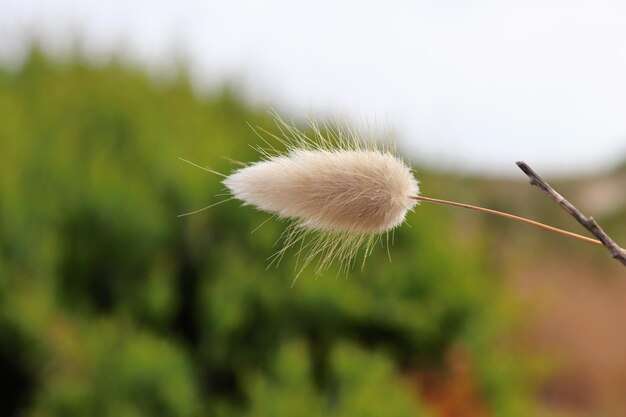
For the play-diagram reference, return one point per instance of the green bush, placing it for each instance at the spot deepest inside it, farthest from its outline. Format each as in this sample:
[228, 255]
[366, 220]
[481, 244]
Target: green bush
[111, 305]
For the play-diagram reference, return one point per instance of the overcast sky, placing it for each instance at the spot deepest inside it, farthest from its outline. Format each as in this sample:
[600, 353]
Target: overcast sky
[464, 84]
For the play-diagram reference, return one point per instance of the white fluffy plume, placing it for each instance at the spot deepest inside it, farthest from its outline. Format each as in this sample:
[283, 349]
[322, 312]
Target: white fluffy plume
[340, 192]
[345, 191]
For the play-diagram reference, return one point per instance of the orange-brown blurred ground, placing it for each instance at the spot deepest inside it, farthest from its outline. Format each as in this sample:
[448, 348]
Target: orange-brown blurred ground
[579, 322]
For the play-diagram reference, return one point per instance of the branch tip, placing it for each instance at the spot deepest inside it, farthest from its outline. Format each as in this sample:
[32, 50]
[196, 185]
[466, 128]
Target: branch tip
[589, 223]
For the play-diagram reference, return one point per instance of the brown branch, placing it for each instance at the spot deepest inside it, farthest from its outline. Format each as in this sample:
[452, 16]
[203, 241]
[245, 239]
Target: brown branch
[588, 222]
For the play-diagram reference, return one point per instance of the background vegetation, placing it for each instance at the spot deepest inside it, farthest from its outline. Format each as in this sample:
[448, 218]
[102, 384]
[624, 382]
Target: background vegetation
[110, 305]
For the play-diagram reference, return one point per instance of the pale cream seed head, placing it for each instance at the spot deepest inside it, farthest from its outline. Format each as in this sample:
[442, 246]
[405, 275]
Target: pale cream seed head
[358, 191]
[341, 189]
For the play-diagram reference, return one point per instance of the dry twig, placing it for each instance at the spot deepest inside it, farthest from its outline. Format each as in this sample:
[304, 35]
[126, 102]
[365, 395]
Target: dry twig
[588, 222]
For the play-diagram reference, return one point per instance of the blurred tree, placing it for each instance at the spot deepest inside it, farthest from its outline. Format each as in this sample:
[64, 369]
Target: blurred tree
[111, 305]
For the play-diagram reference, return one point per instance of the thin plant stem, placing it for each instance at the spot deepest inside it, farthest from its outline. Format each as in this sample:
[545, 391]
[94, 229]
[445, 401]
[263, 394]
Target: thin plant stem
[508, 216]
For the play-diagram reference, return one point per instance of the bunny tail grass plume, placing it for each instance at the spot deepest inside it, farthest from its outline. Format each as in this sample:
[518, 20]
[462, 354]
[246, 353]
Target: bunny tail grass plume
[340, 192]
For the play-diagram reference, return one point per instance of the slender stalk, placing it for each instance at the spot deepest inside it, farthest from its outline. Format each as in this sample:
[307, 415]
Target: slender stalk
[508, 216]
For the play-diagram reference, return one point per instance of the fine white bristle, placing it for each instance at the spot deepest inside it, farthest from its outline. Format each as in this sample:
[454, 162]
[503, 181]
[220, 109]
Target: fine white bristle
[341, 191]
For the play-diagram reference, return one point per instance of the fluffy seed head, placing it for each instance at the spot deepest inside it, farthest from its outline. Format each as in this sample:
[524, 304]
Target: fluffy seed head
[341, 192]
[344, 190]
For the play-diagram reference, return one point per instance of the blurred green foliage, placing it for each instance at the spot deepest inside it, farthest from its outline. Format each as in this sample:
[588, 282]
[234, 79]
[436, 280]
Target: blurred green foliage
[110, 305]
